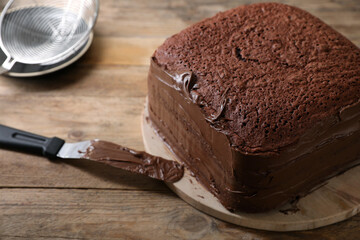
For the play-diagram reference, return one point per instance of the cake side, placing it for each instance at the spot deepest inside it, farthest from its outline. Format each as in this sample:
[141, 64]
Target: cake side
[265, 73]
[248, 182]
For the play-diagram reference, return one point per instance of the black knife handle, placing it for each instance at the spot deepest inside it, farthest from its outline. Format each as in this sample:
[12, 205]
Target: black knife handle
[14, 139]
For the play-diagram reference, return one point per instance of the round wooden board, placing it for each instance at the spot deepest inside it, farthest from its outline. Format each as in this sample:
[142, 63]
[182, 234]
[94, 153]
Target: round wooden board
[338, 200]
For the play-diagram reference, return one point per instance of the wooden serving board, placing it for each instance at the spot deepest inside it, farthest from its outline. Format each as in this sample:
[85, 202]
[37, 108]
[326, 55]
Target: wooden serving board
[336, 201]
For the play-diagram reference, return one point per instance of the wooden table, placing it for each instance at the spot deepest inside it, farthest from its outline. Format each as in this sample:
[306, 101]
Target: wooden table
[102, 96]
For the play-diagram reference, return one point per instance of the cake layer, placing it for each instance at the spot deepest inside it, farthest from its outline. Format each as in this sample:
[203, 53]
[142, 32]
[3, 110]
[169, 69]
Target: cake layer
[250, 182]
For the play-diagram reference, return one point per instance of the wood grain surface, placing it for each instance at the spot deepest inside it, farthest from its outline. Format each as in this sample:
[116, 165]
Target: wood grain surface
[102, 96]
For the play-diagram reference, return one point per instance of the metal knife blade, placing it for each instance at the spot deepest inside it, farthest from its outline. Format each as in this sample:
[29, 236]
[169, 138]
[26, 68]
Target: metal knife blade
[74, 150]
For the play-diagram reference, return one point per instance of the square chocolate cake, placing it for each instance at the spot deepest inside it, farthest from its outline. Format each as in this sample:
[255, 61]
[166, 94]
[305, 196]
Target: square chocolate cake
[261, 103]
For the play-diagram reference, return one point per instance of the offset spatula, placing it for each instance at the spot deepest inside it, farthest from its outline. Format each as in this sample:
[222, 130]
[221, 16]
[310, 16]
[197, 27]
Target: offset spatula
[95, 150]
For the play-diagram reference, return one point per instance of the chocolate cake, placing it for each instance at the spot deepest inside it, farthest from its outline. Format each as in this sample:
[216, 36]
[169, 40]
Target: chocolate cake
[260, 102]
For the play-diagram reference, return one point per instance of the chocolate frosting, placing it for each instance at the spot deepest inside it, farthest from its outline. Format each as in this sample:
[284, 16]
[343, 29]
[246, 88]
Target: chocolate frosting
[134, 161]
[251, 182]
[260, 102]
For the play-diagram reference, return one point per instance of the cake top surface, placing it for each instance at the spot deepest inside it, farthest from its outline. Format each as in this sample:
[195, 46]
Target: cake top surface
[278, 69]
